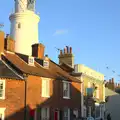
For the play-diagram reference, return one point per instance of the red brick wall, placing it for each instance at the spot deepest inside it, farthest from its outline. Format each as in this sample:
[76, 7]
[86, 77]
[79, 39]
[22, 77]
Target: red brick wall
[56, 100]
[14, 99]
[56, 92]
[15, 96]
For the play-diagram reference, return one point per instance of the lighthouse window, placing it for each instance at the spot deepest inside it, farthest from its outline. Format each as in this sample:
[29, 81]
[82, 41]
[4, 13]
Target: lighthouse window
[19, 25]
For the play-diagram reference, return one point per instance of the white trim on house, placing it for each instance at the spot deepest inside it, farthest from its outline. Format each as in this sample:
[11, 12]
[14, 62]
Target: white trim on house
[2, 111]
[3, 90]
[68, 117]
[97, 105]
[45, 87]
[68, 94]
[31, 61]
[45, 113]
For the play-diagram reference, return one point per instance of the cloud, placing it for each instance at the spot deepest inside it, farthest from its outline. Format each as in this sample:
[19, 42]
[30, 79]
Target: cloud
[60, 32]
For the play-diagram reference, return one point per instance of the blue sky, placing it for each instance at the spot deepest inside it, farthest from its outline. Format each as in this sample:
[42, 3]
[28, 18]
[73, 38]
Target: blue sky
[91, 27]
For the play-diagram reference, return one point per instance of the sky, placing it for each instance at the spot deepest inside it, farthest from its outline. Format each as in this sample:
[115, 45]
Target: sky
[90, 27]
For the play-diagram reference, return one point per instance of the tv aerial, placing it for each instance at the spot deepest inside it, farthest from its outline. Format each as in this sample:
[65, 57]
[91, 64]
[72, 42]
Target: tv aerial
[57, 49]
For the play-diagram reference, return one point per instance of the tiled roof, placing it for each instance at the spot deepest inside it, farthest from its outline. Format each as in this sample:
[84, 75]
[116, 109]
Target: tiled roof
[7, 72]
[109, 92]
[19, 63]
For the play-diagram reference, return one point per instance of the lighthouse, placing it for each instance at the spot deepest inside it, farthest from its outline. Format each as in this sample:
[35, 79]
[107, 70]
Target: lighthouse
[24, 26]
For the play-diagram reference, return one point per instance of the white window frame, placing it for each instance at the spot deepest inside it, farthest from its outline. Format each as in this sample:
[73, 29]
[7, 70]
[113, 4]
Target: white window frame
[2, 112]
[89, 84]
[29, 61]
[76, 112]
[68, 96]
[46, 64]
[85, 111]
[45, 117]
[3, 93]
[45, 87]
[68, 117]
[97, 105]
[97, 92]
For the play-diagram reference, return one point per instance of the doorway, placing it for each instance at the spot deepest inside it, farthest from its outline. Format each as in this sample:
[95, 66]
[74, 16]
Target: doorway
[57, 115]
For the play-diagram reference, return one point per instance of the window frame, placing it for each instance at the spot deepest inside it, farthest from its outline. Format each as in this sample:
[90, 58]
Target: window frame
[48, 113]
[2, 111]
[76, 112]
[97, 105]
[46, 65]
[89, 85]
[97, 92]
[68, 96]
[68, 112]
[29, 61]
[45, 81]
[3, 93]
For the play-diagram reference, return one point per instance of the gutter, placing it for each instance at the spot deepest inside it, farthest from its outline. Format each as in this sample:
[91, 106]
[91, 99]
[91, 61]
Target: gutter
[25, 98]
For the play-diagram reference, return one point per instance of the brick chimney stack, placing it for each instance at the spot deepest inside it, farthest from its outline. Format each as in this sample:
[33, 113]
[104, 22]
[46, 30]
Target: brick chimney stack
[9, 43]
[111, 84]
[66, 56]
[38, 50]
[1, 42]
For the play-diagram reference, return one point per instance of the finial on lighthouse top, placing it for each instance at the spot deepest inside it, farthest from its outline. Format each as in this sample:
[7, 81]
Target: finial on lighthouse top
[23, 5]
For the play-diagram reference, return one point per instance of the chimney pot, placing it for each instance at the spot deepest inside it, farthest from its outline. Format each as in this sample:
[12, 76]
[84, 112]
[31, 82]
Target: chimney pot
[112, 80]
[38, 50]
[60, 52]
[67, 49]
[9, 43]
[70, 50]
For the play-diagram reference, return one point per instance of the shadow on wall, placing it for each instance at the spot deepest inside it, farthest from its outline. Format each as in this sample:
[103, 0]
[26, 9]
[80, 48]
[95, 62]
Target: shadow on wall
[55, 102]
[113, 106]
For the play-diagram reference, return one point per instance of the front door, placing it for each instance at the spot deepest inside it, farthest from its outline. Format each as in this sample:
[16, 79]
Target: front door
[56, 115]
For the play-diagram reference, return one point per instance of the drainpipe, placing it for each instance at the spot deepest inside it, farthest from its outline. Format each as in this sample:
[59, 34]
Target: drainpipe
[25, 100]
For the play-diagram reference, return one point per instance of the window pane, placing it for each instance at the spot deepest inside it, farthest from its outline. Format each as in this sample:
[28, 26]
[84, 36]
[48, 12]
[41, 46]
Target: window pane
[1, 85]
[45, 113]
[97, 111]
[66, 114]
[1, 93]
[47, 87]
[66, 89]
[43, 88]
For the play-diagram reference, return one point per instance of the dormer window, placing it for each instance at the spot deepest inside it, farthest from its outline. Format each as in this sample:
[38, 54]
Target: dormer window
[46, 64]
[31, 61]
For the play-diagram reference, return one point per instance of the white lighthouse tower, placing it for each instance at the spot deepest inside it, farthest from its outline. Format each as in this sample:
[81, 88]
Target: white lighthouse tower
[24, 26]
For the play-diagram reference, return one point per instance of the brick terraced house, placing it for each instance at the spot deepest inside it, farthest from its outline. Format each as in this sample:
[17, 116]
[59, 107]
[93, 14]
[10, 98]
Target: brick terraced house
[35, 87]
